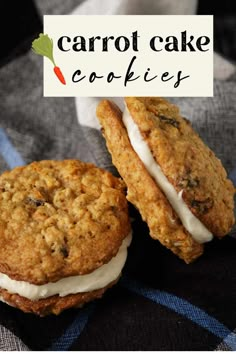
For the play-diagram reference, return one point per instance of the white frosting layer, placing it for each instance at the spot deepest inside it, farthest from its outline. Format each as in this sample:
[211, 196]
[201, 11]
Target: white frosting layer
[193, 225]
[98, 279]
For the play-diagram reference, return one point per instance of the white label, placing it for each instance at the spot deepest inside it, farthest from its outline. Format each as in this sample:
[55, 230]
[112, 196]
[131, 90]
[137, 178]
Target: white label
[130, 55]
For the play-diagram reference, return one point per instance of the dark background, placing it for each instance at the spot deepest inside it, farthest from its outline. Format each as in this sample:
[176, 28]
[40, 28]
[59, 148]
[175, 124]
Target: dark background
[224, 25]
[21, 23]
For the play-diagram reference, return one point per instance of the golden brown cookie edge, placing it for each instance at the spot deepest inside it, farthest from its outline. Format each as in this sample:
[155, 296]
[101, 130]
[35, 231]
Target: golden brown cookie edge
[142, 190]
[53, 305]
[219, 218]
[30, 274]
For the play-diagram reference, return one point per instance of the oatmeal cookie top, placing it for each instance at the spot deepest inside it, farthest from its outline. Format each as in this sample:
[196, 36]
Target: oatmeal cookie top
[188, 163]
[58, 219]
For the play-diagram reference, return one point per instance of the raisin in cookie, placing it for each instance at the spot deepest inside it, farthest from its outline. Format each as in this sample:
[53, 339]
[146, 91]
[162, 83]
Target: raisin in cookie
[64, 233]
[176, 182]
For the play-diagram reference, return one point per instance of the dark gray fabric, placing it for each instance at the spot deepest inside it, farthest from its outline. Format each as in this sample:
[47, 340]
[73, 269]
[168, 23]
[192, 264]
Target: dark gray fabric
[9, 342]
[55, 7]
[40, 128]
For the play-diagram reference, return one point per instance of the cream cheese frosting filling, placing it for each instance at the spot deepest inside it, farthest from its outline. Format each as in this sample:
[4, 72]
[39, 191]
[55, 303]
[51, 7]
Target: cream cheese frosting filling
[95, 280]
[192, 224]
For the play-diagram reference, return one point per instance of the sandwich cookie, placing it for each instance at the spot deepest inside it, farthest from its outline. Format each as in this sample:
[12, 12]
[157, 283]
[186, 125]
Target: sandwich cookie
[64, 234]
[175, 181]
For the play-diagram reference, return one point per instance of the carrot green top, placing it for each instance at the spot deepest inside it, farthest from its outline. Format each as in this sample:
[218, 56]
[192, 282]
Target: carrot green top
[43, 45]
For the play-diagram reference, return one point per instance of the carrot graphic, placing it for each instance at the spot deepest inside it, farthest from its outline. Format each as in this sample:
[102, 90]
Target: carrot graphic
[43, 45]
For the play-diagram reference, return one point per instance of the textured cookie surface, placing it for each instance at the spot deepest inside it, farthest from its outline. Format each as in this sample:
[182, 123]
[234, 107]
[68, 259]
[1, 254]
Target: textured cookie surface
[54, 304]
[59, 218]
[143, 192]
[186, 161]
